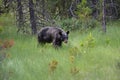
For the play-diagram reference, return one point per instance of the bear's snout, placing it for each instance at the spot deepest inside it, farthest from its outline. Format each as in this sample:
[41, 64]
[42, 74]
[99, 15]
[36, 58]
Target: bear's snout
[65, 41]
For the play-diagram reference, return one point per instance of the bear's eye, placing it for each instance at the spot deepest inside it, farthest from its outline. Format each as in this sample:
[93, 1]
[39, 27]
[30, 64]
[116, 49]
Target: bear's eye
[64, 37]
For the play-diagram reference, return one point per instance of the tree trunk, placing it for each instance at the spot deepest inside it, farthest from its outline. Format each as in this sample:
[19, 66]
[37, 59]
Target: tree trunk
[32, 17]
[43, 8]
[20, 15]
[104, 16]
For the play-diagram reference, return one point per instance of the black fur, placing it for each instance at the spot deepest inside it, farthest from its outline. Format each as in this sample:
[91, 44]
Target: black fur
[52, 35]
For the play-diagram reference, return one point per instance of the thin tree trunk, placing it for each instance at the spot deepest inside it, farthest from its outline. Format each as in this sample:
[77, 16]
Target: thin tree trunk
[43, 8]
[32, 17]
[20, 15]
[104, 16]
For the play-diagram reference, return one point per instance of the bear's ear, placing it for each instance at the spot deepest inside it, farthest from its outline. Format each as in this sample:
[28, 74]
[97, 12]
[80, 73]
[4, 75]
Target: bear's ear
[68, 32]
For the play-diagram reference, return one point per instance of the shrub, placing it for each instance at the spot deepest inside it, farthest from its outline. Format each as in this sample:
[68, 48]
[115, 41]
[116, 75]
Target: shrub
[8, 43]
[75, 24]
[84, 15]
[70, 24]
[53, 65]
[92, 23]
[88, 42]
[83, 21]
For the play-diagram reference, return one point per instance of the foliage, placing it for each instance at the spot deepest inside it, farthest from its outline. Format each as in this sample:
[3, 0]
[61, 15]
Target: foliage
[88, 42]
[83, 11]
[93, 23]
[84, 15]
[44, 12]
[75, 24]
[70, 24]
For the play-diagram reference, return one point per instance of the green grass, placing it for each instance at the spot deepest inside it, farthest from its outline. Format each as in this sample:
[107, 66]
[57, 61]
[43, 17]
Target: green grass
[29, 62]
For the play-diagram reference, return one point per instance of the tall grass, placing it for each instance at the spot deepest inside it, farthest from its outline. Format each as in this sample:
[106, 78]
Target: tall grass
[77, 60]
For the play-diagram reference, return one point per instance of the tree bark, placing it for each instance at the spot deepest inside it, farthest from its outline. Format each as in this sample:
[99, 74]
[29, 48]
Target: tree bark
[20, 15]
[104, 16]
[43, 8]
[32, 17]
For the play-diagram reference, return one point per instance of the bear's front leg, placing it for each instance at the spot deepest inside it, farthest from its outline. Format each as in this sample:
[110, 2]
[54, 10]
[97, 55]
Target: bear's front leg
[56, 43]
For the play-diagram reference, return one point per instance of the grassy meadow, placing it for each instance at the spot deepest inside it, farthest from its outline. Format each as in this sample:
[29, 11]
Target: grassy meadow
[89, 55]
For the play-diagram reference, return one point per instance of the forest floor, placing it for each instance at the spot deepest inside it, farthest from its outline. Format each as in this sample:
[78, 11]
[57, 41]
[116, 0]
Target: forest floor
[89, 55]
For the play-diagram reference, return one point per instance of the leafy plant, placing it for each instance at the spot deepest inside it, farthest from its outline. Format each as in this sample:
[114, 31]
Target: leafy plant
[88, 42]
[107, 41]
[84, 14]
[83, 11]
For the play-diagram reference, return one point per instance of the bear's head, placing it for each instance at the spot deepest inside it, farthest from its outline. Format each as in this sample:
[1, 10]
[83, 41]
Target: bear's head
[64, 36]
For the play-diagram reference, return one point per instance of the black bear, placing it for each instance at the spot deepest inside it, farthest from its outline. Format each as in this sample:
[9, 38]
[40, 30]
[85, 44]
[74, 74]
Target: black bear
[52, 35]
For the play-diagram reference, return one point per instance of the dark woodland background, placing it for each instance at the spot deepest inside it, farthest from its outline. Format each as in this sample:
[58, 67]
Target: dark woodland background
[34, 14]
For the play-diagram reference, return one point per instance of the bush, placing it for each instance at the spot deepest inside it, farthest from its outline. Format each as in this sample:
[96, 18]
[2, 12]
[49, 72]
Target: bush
[91, 23]
[70, 24]
[89, 42]
[75, 24]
